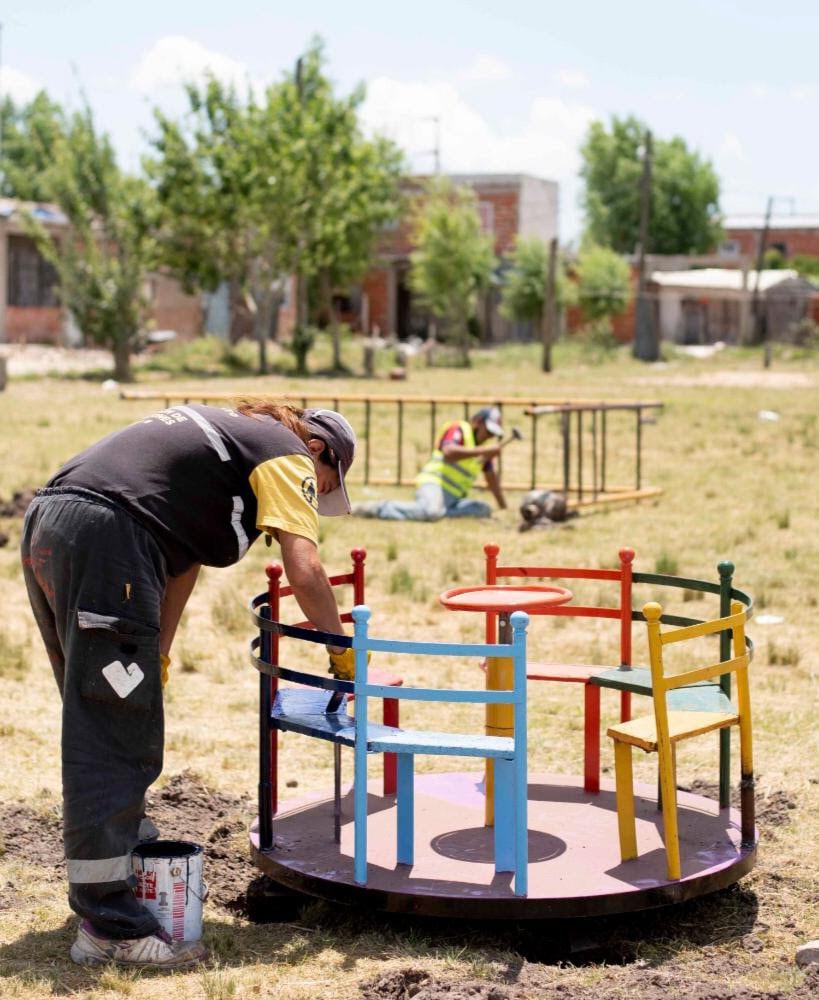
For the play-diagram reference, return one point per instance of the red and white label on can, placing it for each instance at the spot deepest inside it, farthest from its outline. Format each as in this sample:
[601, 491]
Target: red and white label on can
[146, 884]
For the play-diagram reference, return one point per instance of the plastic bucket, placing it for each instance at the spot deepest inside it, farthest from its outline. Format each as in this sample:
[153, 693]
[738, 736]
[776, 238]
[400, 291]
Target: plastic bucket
[171, 886]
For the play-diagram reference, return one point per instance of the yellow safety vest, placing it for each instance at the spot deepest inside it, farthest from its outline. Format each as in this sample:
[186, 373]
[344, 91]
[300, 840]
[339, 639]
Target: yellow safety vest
[456, 478]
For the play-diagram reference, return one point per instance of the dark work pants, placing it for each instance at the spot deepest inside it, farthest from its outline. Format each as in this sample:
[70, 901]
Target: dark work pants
[95, 579]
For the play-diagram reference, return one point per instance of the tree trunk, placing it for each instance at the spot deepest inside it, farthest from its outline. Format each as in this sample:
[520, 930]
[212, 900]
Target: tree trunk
[464, 338]
[122, 360]
[254, 297]
[335, 332]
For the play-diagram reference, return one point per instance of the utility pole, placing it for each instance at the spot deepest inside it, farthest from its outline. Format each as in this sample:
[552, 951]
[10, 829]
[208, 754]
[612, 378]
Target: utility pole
[760, 327]
[646, 347]
[435, 152]
[548, 318]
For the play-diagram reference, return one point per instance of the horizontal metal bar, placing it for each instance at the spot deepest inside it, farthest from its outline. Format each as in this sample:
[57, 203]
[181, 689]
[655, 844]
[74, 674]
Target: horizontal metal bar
[480, 697]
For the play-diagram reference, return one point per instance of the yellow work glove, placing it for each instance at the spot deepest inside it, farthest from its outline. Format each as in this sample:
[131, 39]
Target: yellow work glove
[342, 665]
[164, 668]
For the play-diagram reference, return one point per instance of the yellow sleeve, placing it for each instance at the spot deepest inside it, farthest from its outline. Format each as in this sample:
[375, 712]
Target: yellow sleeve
[286, 496]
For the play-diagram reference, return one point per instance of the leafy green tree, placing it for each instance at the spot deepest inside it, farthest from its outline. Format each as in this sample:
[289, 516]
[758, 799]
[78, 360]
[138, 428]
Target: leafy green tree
[453, 260]
[29, 134]
[604, 282]
[774, 260]
[351, 183]
[222, 188]
[104, 255]
[684, 203]
[805, 264]
[523, 296]
[253, 190]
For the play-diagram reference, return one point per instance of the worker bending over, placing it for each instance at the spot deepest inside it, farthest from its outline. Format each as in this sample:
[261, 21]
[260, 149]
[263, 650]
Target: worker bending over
[111, 550]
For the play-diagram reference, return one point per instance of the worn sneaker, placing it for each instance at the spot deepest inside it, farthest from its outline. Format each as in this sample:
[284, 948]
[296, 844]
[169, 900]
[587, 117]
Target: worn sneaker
[156, 951]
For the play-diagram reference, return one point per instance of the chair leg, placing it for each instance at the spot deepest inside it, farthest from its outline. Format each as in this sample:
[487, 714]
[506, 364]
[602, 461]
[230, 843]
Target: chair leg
[405, 809]
[724, 768]
[625, 706]
[670, 831]
[746, 785]
[624, 782]
[591, 738]
[504, 815]
[390, 717]
[337, 792]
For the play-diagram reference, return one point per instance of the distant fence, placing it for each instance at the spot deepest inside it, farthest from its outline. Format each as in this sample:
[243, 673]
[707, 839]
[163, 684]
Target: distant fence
[596, 456]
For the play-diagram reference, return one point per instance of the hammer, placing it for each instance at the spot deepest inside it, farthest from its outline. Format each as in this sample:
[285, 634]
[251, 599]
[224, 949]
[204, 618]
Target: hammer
[516, 436]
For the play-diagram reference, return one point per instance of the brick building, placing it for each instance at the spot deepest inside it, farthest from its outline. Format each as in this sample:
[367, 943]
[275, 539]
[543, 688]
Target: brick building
[789, 234]
[30, 310]
[509, 205]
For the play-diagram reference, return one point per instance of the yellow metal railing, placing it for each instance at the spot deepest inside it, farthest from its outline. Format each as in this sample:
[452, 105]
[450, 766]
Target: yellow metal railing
[581, 466]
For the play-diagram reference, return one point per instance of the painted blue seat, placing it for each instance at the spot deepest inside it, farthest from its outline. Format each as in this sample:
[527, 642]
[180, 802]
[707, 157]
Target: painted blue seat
[509, 753]
[318, 708]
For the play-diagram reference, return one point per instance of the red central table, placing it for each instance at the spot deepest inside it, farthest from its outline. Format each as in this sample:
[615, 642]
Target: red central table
[502, 600]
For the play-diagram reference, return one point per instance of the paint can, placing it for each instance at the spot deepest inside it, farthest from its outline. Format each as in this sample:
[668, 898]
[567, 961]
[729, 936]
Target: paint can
[170, 885]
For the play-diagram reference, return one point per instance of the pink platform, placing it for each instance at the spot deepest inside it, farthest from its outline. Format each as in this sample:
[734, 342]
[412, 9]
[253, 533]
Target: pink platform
[574, 861]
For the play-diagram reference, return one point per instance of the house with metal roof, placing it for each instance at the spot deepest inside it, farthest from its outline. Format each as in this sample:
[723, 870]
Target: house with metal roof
[706, 305]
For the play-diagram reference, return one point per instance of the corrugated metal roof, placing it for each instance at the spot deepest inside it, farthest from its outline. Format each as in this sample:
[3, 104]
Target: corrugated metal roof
[776, 222]
[727, 279]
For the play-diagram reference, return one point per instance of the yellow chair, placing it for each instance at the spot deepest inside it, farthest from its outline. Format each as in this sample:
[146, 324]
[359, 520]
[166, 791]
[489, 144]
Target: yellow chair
[659, 733]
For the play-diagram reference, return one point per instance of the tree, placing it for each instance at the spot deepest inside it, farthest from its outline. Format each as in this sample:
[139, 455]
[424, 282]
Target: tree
[684, 204]
[352, 183]
[604, 282]
[104, 255]
[453, 261]
[221, 186]
[255, 190]
[805, 264]
[524, 292]
[29, 134]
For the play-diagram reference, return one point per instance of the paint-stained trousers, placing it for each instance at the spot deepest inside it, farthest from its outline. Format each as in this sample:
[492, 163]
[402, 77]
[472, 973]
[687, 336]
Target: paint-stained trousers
[95, 579]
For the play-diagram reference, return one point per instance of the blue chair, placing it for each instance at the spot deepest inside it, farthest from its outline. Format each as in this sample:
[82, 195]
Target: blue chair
[509, 753]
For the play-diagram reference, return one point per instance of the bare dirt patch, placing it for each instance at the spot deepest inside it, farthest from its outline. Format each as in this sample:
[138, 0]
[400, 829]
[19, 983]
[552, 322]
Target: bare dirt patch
[184, 809]
[18, 505]
[774, 808]
[43, 359]
[417, 984]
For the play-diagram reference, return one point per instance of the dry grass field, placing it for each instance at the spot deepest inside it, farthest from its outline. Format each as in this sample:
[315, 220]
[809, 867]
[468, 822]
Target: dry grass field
[736, 486]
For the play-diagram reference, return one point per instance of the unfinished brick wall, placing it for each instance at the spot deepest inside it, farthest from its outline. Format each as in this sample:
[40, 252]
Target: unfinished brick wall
[796, 241]
[34, 325]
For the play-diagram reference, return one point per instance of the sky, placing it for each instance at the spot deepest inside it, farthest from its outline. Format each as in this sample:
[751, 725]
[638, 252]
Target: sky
[508, 86]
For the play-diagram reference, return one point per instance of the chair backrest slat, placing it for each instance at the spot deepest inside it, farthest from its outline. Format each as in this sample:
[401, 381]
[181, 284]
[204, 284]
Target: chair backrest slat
[495, 573]
[363, 644]
[657, 640]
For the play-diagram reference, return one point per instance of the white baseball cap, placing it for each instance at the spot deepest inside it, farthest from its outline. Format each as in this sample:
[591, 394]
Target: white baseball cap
[492, 419]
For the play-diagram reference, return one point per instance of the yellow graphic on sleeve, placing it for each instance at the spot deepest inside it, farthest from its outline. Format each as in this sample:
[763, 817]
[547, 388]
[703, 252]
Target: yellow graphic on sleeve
[286, 495]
